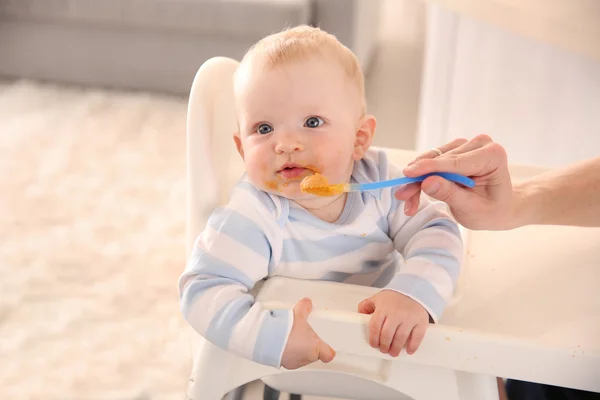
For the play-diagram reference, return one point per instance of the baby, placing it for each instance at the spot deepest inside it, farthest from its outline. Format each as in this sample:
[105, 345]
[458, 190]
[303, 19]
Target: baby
[301, 110]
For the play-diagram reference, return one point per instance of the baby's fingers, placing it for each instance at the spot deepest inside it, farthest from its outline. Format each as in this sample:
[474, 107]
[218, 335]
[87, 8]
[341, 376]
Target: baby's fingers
[326, 352]
[388, 330]
[400, 338]
[375, 325]
[416, 337]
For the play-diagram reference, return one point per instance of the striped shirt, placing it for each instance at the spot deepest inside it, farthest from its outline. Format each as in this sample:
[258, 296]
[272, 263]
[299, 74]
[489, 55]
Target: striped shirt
[258, 235]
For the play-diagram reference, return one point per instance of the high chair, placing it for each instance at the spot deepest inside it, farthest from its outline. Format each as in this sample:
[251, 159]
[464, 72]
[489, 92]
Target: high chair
[507, 323]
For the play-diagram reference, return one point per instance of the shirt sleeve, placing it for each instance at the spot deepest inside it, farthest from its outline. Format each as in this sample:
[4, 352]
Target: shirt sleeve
[230, 256]
[432, 247]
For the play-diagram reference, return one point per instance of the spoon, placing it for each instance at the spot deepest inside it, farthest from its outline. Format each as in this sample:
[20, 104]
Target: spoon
[319, 185]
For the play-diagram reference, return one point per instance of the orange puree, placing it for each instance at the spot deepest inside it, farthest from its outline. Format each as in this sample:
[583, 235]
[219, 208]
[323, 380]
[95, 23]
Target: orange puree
[271, 185]
[318, 184]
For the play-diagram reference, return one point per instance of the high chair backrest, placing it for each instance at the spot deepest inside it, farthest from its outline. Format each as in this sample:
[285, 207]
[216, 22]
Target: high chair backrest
[213, 163]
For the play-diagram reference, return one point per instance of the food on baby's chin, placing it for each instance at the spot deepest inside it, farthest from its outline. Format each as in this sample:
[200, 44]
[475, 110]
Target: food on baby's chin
[318, 184]
[271, 185]
[277, 186]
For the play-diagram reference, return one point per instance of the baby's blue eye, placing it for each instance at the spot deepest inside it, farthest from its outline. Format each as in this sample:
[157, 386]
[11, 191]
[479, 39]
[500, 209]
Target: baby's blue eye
[314, 122]
[263, 129]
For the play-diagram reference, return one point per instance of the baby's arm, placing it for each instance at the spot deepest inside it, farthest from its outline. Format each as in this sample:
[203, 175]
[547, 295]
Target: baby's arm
[432, 248]
[229, 257]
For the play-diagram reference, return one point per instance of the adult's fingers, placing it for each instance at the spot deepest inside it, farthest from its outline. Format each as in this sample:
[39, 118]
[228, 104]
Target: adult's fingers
[478, 162]
[446, 191]
[405, 192]
[473, 144]
[411, 195]
[444, 149]
[411, 206]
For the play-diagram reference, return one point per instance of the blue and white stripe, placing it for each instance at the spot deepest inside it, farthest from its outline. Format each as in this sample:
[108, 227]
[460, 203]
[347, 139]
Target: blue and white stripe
[258, 235]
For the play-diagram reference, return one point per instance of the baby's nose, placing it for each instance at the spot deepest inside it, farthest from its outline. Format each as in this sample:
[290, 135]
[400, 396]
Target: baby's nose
[288, 143]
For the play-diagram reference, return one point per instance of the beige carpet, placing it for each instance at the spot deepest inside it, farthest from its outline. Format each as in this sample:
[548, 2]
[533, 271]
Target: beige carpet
[92, 203]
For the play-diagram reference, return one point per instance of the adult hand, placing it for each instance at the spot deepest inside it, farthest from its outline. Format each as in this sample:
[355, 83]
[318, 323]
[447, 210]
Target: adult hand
[489, 205]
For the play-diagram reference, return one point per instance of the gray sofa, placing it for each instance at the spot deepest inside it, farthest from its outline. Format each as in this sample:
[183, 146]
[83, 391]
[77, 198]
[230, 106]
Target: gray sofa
[158, 45]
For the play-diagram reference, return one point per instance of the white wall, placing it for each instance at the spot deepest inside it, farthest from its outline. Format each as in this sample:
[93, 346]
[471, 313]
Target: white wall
[393, 82]
[541, 102]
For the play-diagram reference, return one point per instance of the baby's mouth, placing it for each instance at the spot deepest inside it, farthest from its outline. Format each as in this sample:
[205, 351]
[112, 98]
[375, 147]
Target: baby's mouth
[293, 171]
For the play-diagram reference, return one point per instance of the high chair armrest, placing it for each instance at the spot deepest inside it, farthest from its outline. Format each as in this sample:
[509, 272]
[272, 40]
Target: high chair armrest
[335, 317]
[336, 320]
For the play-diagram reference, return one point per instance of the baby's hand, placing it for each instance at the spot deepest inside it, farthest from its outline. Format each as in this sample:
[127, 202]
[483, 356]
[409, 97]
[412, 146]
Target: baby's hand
[304, 346]
[395, 319]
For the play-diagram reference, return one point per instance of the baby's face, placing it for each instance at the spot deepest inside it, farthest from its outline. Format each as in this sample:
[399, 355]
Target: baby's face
[295, 120]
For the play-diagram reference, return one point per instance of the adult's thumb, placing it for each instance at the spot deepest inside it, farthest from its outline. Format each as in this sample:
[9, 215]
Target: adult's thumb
[302, 308]
[443, 190]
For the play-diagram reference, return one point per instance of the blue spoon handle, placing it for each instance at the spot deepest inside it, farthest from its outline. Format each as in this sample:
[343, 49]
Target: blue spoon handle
[463, 180]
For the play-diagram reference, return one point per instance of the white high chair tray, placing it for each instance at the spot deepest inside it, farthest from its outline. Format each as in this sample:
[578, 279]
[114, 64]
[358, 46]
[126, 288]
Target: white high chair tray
[530, 309]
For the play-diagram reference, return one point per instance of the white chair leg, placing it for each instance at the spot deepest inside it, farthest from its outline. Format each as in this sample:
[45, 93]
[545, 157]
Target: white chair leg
[415, 380]
[210, 374]
[476, 386]
[217, 372]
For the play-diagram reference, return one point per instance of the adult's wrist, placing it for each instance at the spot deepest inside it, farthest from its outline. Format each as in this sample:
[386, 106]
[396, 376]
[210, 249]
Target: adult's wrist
[523, 209]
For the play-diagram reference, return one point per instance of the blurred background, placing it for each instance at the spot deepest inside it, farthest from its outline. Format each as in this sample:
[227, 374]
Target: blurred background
[92, 150]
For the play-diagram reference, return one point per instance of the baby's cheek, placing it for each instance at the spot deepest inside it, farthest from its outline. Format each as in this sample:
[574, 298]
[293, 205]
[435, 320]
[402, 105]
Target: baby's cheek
[257, 176]
[337, 161]
[256, 164]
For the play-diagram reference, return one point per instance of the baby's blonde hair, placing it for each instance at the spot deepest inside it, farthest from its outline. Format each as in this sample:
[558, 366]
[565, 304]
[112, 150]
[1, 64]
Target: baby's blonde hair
[302, 42]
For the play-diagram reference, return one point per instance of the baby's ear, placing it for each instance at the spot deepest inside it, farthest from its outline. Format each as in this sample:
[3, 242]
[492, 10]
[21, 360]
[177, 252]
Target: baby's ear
[364, 136]
[238, 144]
